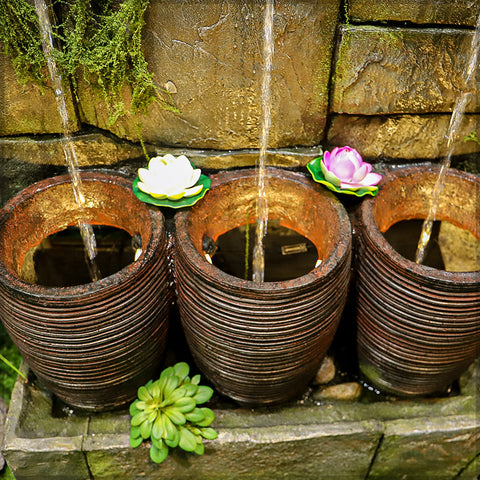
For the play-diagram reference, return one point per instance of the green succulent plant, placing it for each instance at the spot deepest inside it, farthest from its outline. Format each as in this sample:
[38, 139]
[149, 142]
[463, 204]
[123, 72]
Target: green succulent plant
[166, 412]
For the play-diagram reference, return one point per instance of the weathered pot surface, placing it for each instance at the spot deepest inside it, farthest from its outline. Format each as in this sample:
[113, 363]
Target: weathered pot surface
[261, 343]
[93, 344]
[418, 327]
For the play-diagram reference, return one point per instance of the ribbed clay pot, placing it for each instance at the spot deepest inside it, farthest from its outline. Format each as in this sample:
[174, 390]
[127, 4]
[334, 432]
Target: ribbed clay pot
[418, 327]
[261, 343]
[94, 344]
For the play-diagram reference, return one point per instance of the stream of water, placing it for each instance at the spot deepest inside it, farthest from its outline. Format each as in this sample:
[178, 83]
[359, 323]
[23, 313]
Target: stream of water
[455, 120]
[86, 229]
[258, 262]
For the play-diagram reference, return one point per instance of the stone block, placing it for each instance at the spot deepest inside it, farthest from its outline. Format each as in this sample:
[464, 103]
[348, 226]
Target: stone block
[402, 137]
[29, 109]
[372, 438]
[391, 70]
[423, 448]
[39, 445]
[459, 12]
[209, 54]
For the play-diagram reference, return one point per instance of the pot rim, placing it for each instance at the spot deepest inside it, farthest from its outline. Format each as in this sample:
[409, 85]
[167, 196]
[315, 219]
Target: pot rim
[334, 261]
[369, 224]
[84, 290]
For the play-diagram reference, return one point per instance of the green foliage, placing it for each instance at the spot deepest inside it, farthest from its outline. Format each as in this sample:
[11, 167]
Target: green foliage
[101, 41]
[20, 36]
[8, 369]
[166, 412]
[472, 137]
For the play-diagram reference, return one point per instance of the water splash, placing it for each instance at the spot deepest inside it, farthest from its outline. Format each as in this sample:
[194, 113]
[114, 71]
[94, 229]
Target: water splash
[451, 136]
[86, 229]
[258, 263]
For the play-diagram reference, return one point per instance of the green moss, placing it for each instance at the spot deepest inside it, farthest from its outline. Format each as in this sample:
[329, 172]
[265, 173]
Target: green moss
[20, 38]
[7, 374]
[101, 41]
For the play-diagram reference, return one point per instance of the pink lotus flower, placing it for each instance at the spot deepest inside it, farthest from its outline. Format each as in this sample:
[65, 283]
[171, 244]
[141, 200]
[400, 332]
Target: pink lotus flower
[344, 168]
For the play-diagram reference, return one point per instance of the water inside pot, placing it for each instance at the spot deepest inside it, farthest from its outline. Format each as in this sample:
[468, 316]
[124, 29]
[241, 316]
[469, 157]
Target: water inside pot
[445, 242]
[59, 260]
[288, 254]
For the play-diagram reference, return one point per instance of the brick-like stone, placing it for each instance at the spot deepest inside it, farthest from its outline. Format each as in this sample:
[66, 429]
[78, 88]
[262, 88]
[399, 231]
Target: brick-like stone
[210, 55]
[423, 448]
[390, 70]
[458, 12]
[402, 137]
[26, 109]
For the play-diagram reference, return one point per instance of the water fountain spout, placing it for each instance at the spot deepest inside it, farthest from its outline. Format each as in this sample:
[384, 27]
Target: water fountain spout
[451, 136]
[86, 229]
[258, 264]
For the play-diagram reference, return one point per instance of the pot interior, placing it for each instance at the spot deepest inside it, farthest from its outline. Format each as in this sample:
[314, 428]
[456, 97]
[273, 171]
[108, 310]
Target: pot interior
[292, 201]
[49, 207]
[408, 196]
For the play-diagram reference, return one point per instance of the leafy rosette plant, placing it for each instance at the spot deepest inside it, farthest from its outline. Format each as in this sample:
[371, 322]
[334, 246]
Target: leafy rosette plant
[166, 412]
[344, 171]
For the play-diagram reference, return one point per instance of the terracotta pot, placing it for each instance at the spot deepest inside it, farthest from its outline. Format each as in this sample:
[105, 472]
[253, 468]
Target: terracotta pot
[261, 343]
[418, 327]
[94, 344]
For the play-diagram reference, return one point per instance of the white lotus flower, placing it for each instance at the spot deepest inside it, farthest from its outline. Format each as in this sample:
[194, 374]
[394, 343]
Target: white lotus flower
[169, 177]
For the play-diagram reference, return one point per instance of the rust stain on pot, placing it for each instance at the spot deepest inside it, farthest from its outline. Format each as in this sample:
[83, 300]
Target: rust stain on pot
[418, 327]
[92, 345]
[261, 343]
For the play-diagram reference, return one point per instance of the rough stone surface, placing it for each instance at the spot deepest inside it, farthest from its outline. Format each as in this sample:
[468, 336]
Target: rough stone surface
[414, 449]
[460, 249]
[210, 54]
[436, 438]
[450, 12]
[3, 415]
[326, 372]
[24, 109]
[402, 137]
[342, 391]
[385, 70]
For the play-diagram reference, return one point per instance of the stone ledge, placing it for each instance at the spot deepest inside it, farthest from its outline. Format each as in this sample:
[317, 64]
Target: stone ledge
[383, 439]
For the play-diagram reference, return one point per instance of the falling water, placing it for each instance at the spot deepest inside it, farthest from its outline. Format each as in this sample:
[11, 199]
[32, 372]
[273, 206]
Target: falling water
[258, 263]
[455, 120]
[86, 229]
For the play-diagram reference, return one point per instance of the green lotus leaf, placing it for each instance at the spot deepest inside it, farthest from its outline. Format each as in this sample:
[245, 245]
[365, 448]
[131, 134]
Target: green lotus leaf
[208, 433]
[208, 417]
[158, 455]
[165, 202]
[203, 394]
[188, 440]
[315, 170]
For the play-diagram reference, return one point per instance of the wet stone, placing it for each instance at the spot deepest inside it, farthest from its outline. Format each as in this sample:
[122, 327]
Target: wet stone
[326, 372]
[342, 391]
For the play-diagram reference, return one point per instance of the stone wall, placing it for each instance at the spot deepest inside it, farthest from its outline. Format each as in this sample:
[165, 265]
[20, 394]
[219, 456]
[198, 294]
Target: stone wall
[380, 76]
